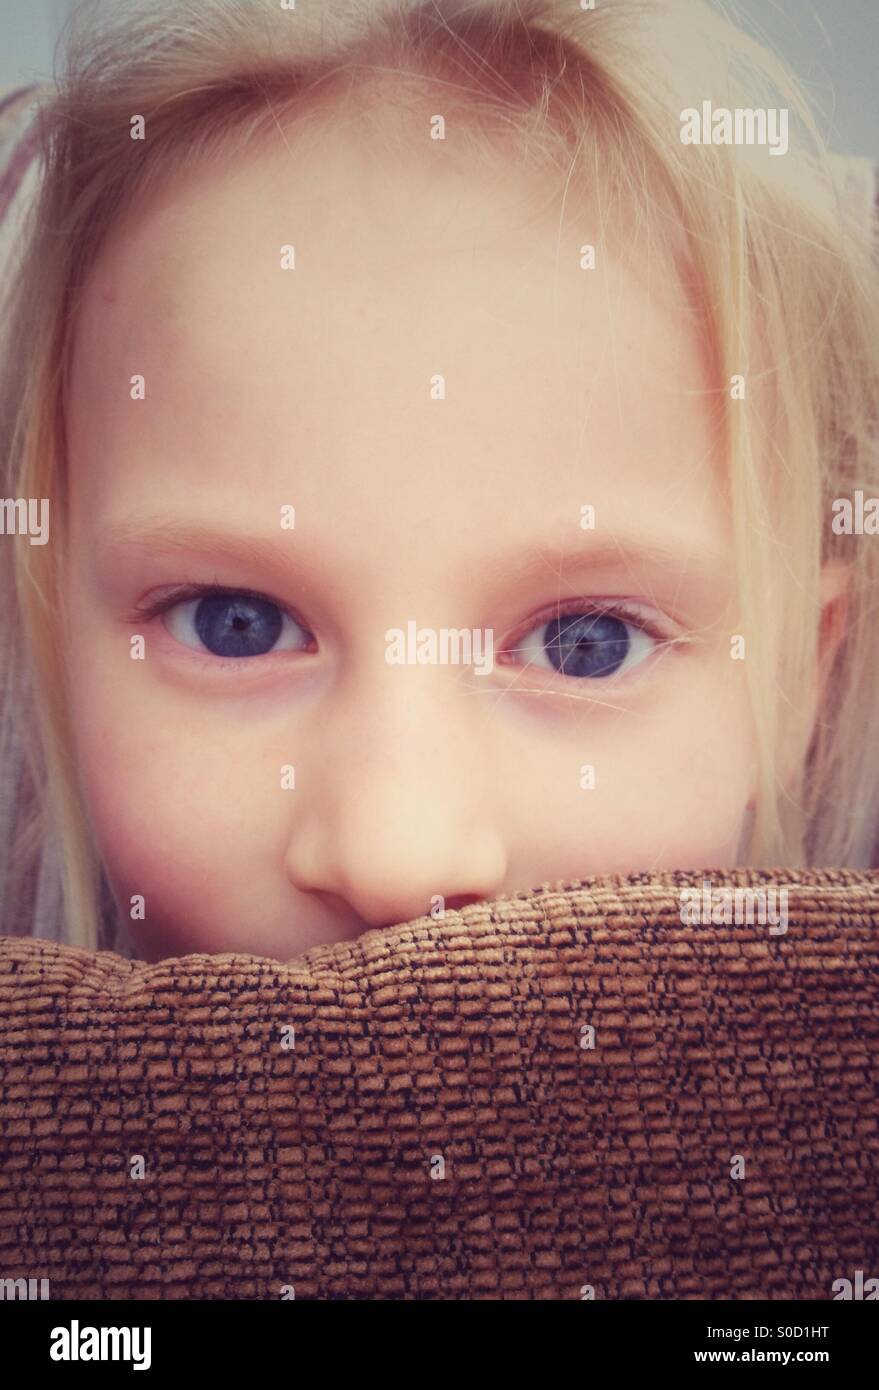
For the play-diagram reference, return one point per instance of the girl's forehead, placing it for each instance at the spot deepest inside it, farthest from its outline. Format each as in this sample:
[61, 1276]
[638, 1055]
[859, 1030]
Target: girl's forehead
[296, 327]
[345, 203]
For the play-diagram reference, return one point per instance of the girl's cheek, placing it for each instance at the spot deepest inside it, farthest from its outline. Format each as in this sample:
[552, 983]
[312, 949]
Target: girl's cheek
[167, 835]
[668, 791]
[161, 807]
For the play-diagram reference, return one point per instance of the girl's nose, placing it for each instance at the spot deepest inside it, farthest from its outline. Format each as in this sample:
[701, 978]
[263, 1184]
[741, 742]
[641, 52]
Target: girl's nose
[395, 815]
[384, 863]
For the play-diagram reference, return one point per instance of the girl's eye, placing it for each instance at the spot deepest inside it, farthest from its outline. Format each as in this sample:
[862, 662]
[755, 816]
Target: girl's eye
[587, 645]
[234, 624]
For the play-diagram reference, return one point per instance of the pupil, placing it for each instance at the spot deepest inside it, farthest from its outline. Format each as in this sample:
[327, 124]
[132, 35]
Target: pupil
[587, 644]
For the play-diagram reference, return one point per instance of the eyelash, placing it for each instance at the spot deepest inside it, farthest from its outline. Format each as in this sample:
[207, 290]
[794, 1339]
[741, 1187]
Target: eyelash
[145, 612]
[629, 613]
[597, 607]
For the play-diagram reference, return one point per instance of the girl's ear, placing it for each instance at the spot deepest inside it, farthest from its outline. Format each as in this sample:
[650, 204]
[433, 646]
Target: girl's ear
[834, 586]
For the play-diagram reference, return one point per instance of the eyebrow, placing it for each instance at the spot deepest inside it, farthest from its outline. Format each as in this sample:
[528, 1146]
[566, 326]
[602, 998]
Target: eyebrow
[170, 536]
[684, 555]
[676, 556]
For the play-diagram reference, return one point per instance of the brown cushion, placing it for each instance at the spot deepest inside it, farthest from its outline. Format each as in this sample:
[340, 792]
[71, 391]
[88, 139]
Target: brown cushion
[566, 1167]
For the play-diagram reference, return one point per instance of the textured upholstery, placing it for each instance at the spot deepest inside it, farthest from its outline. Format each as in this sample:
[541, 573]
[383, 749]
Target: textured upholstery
[440, 1122]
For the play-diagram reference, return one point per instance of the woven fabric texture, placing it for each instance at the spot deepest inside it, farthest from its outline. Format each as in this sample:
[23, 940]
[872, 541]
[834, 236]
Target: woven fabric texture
[423, 1112]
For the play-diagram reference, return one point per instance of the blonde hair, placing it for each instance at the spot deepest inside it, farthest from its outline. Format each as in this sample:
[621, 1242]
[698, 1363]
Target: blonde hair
[786, 274]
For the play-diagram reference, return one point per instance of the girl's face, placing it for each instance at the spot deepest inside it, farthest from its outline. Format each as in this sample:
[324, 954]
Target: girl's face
[437, 389]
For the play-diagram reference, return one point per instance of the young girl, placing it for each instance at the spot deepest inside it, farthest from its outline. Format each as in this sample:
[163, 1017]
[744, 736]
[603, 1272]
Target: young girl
[446, 415]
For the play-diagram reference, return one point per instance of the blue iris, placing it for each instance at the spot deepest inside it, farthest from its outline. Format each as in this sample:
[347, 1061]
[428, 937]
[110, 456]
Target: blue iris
[587, 644]
[238, 626]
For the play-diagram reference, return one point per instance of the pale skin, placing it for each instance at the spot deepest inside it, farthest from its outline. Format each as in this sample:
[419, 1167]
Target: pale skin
[310, 388]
